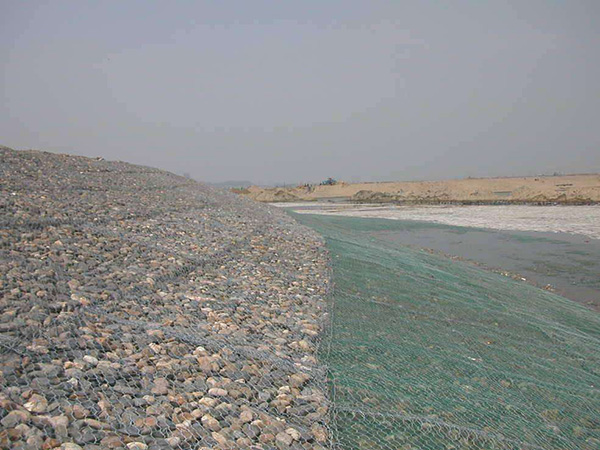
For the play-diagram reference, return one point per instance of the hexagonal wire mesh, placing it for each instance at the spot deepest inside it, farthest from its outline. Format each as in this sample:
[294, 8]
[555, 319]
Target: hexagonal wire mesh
[143, 310]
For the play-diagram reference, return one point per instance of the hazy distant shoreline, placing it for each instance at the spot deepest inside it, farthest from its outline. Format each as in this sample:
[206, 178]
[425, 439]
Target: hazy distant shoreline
[583, 189]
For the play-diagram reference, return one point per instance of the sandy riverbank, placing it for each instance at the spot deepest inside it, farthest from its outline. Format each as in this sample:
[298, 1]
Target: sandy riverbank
[567, 189]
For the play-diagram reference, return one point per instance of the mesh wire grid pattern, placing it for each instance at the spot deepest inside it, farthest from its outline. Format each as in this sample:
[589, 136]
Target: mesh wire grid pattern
[429, 353]
[141, 310]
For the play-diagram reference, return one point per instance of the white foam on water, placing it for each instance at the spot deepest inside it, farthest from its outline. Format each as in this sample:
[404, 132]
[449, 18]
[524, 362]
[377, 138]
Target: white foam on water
[583, 220]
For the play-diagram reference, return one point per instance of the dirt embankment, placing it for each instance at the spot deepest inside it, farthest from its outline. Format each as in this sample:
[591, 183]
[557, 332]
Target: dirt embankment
[566, 189]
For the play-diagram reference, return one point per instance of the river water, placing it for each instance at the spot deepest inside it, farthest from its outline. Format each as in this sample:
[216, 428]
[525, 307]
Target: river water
[553, 247]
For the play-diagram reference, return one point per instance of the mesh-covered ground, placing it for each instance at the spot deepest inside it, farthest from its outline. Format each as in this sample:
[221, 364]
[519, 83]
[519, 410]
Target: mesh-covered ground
[429, 353]
[142, 310]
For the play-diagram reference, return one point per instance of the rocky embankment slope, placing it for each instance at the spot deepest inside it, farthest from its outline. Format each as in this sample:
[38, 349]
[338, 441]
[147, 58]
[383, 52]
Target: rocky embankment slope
[567, 189]
[142, 310]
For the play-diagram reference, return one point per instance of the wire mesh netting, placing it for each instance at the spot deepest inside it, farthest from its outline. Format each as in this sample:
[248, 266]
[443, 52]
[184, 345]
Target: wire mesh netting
[141, 310]
[429, 353]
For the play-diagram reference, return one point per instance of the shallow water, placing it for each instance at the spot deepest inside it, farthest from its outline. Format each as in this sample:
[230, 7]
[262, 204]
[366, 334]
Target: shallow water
[567, 263]
[570, 264]
[582, 220]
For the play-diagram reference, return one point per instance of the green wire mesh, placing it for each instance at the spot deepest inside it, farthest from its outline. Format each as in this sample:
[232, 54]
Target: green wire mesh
[429, 353]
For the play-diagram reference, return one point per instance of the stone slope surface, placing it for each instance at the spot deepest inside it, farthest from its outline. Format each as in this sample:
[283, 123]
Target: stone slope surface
[143, 310]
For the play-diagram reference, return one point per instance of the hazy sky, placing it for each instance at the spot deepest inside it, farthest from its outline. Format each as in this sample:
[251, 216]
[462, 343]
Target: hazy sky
[273, 91]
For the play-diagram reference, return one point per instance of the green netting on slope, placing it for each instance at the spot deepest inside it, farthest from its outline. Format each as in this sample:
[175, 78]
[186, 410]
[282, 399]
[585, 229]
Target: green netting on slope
[429, 353]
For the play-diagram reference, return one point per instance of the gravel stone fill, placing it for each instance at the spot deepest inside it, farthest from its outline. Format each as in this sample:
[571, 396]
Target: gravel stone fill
[143, 310]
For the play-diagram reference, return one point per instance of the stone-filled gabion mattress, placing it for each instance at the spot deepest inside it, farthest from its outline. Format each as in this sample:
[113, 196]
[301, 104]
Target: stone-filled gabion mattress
[143, 310]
